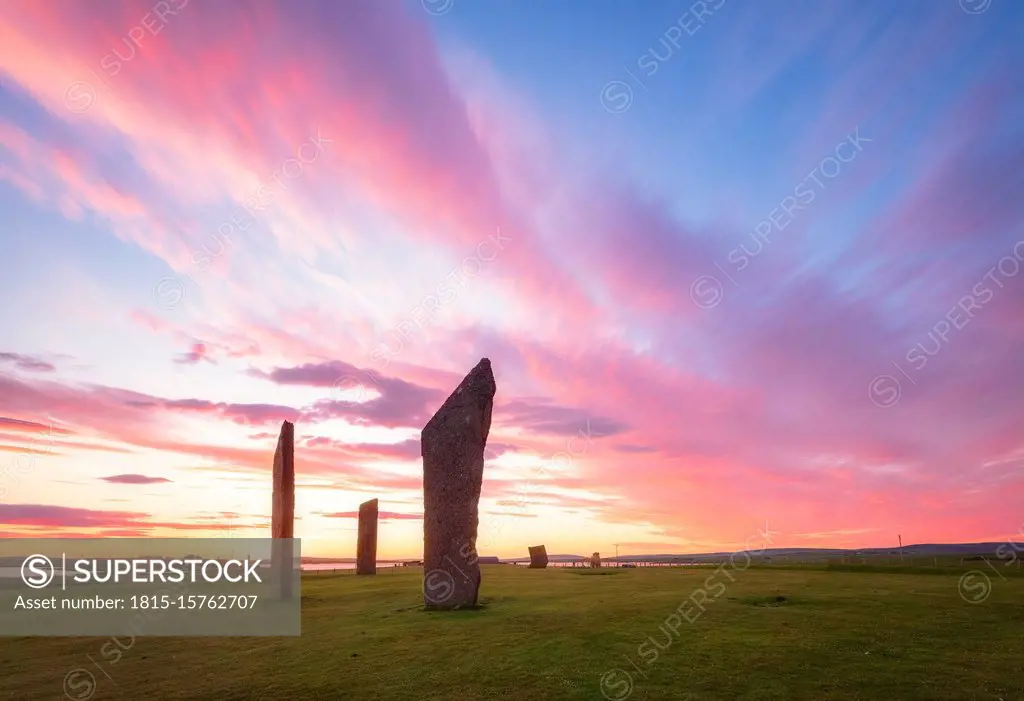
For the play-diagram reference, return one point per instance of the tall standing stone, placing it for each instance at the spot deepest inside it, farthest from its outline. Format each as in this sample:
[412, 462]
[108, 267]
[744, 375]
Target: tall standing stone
[452, 444]
[366, 546]
[538, 557]
[282, 520]
[595, 560]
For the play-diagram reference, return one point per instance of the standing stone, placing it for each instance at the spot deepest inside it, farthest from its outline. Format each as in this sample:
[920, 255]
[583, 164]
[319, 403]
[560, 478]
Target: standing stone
[538, 557]
[452, 445]
[282, 521]
[366, 546]
[595, 560]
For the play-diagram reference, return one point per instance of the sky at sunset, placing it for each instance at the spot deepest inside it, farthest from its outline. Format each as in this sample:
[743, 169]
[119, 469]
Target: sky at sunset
[734, 264]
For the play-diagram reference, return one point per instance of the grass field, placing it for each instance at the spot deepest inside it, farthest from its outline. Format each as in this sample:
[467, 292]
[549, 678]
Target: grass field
[772, 633]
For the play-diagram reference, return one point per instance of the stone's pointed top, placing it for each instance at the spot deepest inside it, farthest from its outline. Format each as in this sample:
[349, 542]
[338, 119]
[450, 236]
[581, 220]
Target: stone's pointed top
[480, 379]
[372, 503]
[483, 366]
[284, 456]
[476, 390]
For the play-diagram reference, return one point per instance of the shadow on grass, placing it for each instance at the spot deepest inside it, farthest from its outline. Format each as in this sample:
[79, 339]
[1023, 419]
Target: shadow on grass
[462, 610]
[465, 610]
[777, 600]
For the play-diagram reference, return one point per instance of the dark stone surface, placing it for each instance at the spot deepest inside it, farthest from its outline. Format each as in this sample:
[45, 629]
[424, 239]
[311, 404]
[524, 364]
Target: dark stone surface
[282, 520]
[452, 444]
[538, 557]
[366, 546]
[595, 560]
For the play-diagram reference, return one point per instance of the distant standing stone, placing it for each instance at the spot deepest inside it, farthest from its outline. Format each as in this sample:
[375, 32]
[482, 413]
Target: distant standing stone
[282, 520]
[452, 444]
[366, 545]
[538, 557]
[595, 560]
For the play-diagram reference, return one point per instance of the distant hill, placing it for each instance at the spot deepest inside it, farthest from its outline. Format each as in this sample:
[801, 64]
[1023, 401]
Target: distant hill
[920, 550]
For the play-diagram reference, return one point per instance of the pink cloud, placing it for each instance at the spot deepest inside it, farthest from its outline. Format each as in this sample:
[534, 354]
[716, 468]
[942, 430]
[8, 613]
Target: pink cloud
[198, 353]
[399, 403]
[134, 479]
[24, 449]
[60, 519]
[27, 362]
[9, 424]
[246, 414]
[381, 515]
[39, 515]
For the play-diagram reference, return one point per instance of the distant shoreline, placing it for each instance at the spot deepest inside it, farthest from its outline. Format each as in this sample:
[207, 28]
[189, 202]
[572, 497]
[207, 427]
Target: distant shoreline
[918, 550]
[770, 554]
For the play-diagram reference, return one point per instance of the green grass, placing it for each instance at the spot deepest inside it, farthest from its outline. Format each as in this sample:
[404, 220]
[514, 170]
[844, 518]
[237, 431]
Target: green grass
[813, 634]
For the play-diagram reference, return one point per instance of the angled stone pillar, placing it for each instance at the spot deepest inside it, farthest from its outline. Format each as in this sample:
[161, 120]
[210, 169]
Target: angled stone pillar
[452, 444]
[538, 557]
[282, 520]
[366, 545]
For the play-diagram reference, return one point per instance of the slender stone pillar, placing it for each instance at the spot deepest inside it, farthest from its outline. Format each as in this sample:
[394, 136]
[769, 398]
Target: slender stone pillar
[366, 546]
[282, 521]
[452, 444]
[595, 560]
